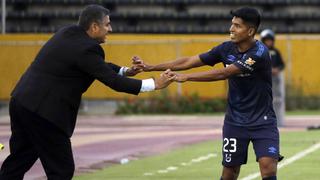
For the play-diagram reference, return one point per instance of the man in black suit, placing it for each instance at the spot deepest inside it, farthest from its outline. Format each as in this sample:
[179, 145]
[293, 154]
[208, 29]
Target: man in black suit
[45, 102]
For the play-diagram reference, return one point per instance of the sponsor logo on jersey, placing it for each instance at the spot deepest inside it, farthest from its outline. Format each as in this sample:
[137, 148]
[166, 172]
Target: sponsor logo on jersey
[250, 61]
[243, 75]
[245, 65]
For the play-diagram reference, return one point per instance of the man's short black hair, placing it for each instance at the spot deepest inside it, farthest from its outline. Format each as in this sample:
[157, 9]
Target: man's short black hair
[92, 13]
[249, 15]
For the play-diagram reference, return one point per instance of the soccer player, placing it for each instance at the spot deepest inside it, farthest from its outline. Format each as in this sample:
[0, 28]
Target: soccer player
[250, 116]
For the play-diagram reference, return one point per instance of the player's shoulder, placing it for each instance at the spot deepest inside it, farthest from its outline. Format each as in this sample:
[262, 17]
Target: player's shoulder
[225, 46]
[259, 51]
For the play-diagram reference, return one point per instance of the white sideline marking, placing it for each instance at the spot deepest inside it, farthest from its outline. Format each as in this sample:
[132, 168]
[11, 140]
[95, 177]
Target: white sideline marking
[287, 161]
[148, 174]
[174, 168]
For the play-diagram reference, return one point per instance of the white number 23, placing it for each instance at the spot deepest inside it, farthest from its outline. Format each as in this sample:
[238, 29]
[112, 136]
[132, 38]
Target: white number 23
[233, 145]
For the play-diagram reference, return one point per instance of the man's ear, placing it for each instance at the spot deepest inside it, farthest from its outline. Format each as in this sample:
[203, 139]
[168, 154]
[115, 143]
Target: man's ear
[252, 31]
[94, 27]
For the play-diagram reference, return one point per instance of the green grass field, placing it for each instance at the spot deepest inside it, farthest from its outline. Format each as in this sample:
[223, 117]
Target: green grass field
[303, 112]
[206, 164]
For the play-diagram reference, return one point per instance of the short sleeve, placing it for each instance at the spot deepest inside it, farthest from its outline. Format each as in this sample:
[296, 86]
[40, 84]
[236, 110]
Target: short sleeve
[212, 57]
[249, 63]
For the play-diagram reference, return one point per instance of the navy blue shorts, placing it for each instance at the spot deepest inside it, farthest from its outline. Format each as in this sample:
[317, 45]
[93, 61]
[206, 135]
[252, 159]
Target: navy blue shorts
[265, 140]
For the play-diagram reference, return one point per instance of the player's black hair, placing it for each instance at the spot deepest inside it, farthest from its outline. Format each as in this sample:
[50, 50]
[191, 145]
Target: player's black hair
[92, 13]
[249, 15]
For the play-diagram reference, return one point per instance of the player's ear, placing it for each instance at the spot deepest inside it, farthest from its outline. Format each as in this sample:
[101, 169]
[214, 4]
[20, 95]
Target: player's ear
[251, 31]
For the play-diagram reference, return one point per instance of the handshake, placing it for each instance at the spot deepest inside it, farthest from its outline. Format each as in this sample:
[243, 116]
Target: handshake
[166, 78]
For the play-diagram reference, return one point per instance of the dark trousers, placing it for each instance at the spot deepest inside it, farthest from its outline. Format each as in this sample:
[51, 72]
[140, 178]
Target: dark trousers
[34, 137]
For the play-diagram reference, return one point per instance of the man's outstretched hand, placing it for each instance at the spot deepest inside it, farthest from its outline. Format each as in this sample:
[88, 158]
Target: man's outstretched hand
[137, 61]
[134, 70]
[177, 76]
[164, 80]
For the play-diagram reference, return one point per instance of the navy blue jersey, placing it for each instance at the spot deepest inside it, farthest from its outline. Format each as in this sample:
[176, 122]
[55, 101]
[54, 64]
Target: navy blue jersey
[250, 93]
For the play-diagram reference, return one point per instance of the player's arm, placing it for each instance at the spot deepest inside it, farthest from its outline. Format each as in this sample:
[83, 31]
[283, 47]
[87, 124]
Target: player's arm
[179, 64]
[93, 64]
[212, 75]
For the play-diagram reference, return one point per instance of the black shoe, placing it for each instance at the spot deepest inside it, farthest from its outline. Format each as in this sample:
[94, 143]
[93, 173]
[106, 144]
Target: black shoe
[280, 158]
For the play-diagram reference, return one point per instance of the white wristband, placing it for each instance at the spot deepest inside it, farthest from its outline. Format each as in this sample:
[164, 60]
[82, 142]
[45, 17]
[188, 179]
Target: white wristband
[147, 85]
[122, 71]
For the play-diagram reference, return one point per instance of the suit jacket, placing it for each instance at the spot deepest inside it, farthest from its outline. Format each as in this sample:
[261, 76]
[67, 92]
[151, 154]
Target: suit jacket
[64, 69]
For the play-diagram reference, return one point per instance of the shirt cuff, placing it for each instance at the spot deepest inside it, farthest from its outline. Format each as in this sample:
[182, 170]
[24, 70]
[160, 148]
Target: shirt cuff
[147, 85]
[122, 71]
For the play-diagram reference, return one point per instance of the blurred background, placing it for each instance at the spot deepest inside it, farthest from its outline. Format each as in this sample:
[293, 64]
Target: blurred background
[183, 114]
[161, 30]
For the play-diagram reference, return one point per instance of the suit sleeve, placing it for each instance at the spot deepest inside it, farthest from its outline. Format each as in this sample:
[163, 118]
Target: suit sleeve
[92, 62]
[114, 67]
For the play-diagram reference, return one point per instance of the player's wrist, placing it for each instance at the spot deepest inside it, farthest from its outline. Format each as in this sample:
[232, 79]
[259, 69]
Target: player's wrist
[186, 77]
[148, 68]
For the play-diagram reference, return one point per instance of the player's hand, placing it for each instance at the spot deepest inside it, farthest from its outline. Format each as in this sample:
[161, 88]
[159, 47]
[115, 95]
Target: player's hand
[134, 70]
[137, 61]
[164, 80]
[181, 78]
[177, 77]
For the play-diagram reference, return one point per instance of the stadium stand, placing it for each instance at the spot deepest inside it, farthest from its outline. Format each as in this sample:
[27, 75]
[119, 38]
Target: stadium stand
[164, 16]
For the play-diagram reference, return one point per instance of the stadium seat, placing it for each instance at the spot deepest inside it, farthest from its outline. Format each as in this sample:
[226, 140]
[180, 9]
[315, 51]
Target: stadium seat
[140, 16]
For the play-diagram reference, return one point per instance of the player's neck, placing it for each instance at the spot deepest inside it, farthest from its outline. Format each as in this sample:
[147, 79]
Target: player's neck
[245, 45]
